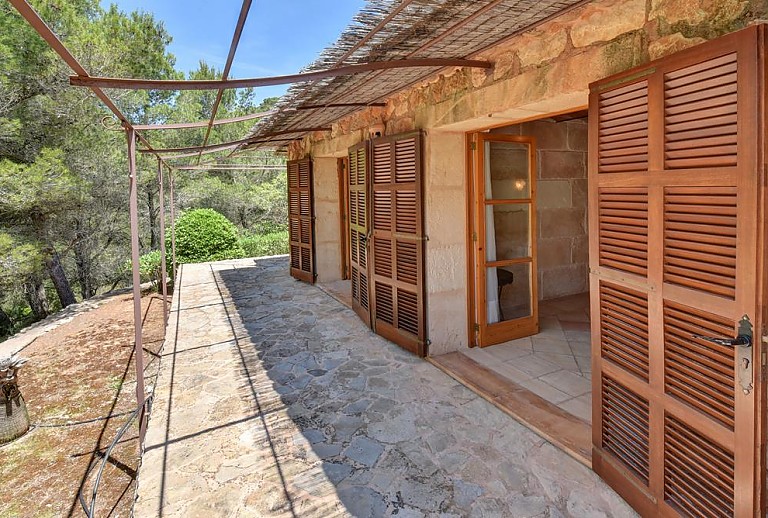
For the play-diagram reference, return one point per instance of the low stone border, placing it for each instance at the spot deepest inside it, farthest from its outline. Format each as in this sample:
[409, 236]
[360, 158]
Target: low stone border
[26, 336]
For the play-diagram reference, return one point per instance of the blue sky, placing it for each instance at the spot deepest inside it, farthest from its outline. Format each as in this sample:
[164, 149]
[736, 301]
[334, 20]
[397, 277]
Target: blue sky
[280, 36]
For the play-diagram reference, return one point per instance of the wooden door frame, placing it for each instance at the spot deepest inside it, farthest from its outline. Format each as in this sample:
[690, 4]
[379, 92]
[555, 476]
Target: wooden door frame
[342, 167]
[481, 333]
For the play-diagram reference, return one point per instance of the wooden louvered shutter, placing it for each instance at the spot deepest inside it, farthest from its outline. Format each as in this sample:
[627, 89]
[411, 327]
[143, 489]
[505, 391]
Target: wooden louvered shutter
[398, 241]
[358, 230]
[301, 221]
[675, 222]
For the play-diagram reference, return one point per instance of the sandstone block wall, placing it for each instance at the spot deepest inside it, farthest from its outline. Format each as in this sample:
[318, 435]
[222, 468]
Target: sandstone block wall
[446, 253]
[561, 180]
[327, 219]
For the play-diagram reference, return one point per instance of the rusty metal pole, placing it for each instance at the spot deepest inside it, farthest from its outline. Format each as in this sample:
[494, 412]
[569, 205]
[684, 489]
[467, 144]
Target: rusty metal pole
[138, 350]
[163, 273]
[173, 227]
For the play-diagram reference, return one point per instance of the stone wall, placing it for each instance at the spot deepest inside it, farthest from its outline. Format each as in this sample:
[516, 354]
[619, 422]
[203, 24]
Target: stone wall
[327, 219]
[446, 250]
[561, 178]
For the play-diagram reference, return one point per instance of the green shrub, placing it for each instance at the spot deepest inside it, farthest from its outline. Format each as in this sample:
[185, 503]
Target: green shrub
[205, 235]
[149, 267]
[259, 245]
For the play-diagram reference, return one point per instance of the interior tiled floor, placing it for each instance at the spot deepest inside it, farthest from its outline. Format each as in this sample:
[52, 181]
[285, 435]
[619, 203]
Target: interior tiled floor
[554, 364]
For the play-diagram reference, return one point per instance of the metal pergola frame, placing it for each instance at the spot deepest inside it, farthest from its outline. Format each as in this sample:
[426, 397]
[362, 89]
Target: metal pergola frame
[134, 134]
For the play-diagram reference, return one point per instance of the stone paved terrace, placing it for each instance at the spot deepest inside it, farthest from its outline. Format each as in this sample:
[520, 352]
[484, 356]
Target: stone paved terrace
[275, 400]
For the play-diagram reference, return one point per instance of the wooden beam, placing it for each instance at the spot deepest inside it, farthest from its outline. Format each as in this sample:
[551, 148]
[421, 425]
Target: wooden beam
[215, 84]
[567, 432]
[338, 105]
[225, 145]
[202, 124]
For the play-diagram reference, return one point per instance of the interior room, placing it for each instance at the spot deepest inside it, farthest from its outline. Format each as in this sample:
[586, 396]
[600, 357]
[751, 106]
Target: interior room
[554, 364]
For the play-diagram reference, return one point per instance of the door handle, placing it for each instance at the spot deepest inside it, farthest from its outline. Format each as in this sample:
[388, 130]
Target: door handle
[743, 345]
[740, 340]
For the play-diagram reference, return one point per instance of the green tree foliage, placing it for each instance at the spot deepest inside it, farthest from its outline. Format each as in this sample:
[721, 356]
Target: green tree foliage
[63, 164]
[62, 175]
[260, 245]
[205, 235]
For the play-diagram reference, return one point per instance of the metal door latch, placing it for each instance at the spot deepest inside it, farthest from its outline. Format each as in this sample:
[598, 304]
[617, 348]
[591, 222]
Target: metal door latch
[743, 343]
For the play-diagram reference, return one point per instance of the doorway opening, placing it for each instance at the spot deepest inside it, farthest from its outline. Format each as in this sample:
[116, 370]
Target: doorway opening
[540, 370]
[553, 361]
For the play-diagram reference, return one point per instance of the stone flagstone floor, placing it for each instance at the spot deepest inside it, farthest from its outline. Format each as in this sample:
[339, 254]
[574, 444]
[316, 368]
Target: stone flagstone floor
[275, 400]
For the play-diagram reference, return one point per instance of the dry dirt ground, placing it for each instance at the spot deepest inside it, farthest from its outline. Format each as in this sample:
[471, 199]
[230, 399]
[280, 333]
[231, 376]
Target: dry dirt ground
[79, 386]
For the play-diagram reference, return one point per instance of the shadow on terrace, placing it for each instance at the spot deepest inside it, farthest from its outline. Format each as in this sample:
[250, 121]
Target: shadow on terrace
[275, 400]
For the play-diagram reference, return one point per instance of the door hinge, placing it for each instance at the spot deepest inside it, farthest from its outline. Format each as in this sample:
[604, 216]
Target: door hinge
[474, 237]
[476, 327]
[473, 146]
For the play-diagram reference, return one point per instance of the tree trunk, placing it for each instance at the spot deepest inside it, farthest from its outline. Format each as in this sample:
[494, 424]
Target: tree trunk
[59, 278]
[34, 292]
[152, 215]
[83, 263]
[6, 324]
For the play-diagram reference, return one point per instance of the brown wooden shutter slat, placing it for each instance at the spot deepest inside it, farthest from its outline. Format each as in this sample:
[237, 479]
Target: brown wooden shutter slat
[398, 241]
[625, 427]
[623, 129]
[624, 333]
[701, 495]
[301, 225]
[358, 230]
[623, 226]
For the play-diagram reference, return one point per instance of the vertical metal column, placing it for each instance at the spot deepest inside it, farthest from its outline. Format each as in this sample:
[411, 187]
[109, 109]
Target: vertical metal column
[163, 273]
[138, 350]
[173, 226]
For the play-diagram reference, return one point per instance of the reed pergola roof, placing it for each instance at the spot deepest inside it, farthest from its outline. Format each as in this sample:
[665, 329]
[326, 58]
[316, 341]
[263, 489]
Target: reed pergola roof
[387, 30]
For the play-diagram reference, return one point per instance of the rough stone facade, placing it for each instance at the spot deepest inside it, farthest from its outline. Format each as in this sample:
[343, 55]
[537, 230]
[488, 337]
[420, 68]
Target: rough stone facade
[542, 71]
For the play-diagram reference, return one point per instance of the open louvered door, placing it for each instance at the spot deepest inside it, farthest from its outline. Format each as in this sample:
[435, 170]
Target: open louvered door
[358, 230]
[397, 292]
[675, 251]
[301, 221]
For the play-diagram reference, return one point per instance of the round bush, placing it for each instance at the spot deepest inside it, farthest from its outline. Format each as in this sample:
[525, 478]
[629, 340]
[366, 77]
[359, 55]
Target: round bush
[205, 235]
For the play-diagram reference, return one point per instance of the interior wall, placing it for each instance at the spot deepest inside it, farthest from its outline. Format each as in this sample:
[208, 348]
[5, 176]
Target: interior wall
[446, 249]
[327, 219]
[563, 249]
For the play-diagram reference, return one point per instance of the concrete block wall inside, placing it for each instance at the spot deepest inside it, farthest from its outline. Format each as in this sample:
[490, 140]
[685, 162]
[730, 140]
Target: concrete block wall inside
[561, 156]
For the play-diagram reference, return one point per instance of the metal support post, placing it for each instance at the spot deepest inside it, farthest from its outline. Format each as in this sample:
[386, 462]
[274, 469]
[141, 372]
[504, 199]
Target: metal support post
[138, 350]
[173, 227]
[163, 273]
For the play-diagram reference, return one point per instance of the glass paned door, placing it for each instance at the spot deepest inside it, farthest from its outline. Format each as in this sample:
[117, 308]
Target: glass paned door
[505, 248]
